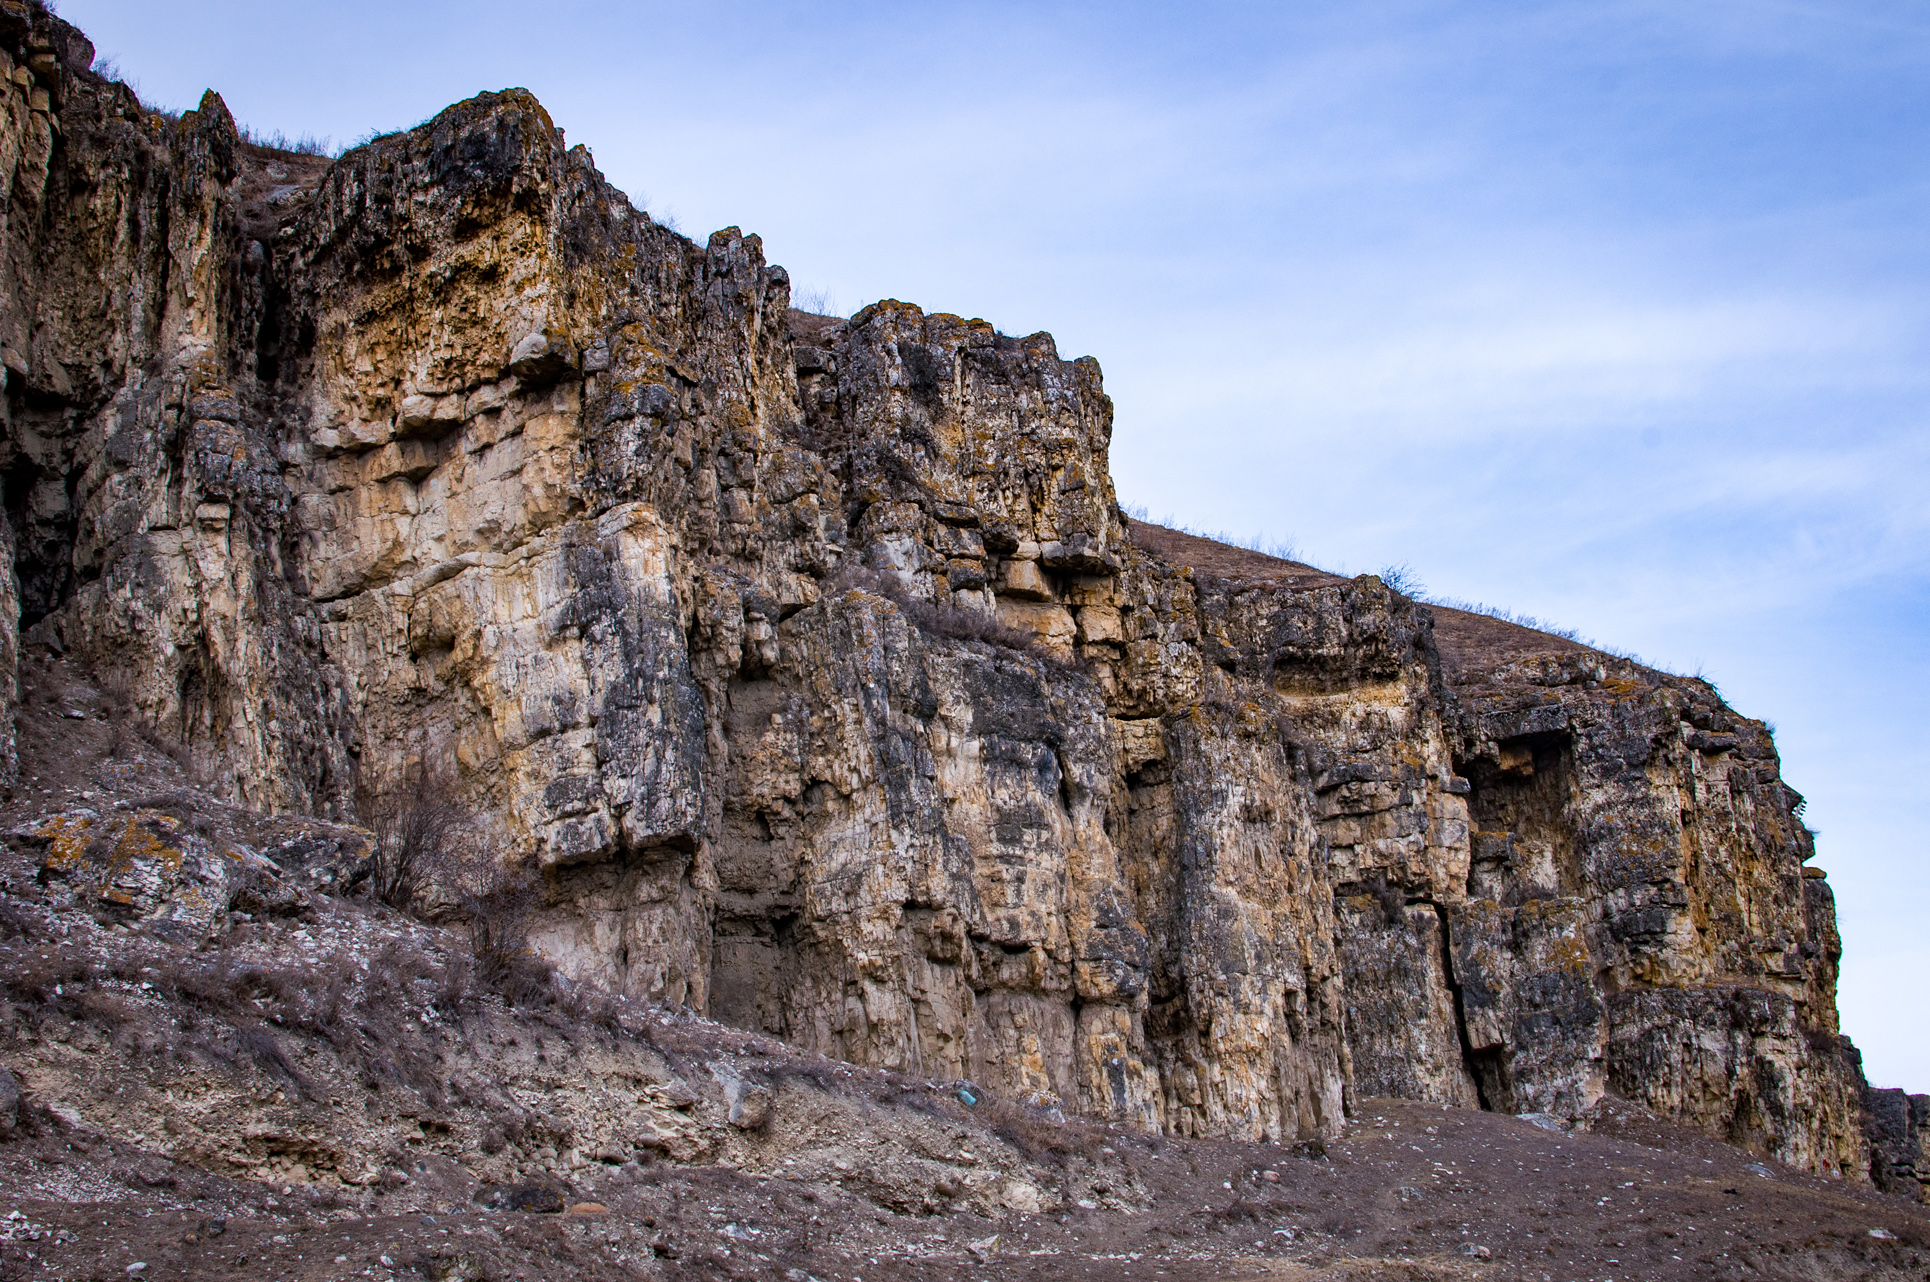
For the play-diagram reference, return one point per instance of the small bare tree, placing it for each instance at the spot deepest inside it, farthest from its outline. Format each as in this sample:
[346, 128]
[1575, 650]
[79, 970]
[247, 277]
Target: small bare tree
[422, 837]
[501, 903]
[431, 859]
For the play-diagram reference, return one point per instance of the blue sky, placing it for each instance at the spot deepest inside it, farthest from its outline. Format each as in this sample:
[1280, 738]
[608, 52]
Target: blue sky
[1610, 313]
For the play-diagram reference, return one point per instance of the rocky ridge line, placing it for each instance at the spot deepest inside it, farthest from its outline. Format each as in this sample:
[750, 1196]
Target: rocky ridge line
[441, 457]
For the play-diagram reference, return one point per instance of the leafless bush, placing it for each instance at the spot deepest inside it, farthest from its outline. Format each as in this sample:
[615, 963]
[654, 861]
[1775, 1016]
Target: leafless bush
[1402, 579]
[173, 749]
[45, 980]
[422, 838]
[938, 620]
[1039, 1138]
[17, 923]
[1240, 1209]
[815, 301]
[428, 853]
[261, 1046]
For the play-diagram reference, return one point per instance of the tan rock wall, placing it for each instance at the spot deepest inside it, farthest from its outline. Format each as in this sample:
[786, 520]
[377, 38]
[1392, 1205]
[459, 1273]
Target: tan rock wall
[814, 665]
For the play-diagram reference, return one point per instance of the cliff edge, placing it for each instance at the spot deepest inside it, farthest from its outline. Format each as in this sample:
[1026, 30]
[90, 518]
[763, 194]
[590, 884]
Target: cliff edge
[815, 667]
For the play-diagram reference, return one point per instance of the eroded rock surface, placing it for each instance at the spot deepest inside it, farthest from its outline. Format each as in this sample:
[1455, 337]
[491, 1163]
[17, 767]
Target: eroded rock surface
[814, 663]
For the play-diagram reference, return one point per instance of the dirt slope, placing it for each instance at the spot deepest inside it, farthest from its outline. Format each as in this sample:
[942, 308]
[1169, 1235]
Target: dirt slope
[1467, 640]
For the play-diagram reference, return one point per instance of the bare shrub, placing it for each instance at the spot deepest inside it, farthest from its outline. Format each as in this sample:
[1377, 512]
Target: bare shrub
[17, 923]
[938, 620]
[1038, 1137]
[500, 904]
[817, 302]
[261, 1046]
[173, 749]
[45, 980]
[1402, 579]
[422, 837]
[129, 727]
[1240, 1209]
[429, 859]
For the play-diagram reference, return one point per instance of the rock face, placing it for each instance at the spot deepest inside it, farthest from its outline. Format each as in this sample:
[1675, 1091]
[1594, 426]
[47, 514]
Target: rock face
[815, 665]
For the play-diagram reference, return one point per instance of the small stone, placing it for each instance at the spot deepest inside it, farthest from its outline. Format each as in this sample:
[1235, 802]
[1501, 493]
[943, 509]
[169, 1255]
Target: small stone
[139, 1266]
[540, 1199]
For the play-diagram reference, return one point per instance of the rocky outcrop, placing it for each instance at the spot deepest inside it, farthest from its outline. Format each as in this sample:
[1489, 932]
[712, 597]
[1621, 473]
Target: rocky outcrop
[1899, 1126]
[816, 667]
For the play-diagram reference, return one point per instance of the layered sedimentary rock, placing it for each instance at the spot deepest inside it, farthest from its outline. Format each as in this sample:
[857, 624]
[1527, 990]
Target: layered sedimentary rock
[816, 667]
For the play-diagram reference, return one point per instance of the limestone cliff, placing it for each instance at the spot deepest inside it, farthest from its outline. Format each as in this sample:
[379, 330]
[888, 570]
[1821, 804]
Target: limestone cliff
[815, 664]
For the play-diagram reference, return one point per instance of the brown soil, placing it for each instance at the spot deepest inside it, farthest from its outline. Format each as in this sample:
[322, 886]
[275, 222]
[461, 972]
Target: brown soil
[274, 185]
[806, 326]
[1467, 641]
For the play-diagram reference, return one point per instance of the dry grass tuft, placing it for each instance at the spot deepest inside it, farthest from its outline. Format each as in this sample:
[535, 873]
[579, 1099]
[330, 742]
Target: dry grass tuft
[939, 620]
